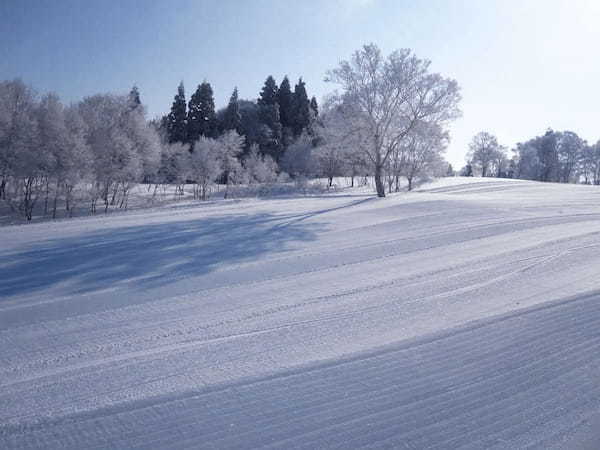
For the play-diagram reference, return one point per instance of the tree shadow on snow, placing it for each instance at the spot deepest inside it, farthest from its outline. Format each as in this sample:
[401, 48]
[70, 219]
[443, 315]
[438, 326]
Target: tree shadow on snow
[150, 255]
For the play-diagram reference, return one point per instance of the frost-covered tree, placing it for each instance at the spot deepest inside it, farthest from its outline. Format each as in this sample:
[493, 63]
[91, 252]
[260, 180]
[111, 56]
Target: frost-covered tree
[177, 118]
[589, 166]
[230, 146]
[205, 166]
[335, 145]
[259, 168]
[22, 159]
[483, 151]
[122, 145]
[383, 98]
[423, 151]
[298, 158]
[570, 152]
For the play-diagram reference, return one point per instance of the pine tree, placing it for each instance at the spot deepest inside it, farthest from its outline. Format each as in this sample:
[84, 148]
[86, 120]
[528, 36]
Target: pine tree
[177, 118]
[301, 108]
[201, 117]
[286, 103]
[271, 131]
[232, 118]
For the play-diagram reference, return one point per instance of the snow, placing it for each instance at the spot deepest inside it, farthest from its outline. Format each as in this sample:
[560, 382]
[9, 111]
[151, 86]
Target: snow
[462, 315]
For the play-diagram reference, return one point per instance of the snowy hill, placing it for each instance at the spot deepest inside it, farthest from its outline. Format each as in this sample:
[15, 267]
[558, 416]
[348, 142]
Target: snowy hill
[466, 314]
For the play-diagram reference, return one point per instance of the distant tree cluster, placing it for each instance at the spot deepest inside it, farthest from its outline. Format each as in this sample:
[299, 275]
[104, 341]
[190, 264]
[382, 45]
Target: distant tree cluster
[92, 150]
[272, 122]
[388, 122]
[556, 156]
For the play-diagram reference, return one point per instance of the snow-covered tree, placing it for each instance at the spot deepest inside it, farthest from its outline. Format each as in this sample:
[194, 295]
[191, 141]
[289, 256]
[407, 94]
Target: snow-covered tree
[205, 166]
[230, 146]
[259, 168]
[483, 151]
[384, 98]
[22, 159]
[423, 151]
[298, 158]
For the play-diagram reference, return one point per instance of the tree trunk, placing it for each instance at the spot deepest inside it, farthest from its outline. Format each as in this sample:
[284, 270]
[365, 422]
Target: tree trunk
[410, 179]
[379, 186]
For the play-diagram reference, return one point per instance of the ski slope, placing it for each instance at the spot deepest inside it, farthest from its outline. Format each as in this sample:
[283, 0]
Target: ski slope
[463, 315]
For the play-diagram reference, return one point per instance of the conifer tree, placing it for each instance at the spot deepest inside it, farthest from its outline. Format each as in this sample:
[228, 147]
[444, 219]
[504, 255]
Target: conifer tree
[201, 117]
[286, 103]
[268, 94]
[177, 118]
[271, 132]
[314, 107]
[232, 118]
[134, 97]
[301, 108]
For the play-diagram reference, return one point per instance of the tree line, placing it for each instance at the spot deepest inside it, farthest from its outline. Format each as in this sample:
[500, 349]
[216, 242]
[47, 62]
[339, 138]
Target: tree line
[386, 121]
[555, 156]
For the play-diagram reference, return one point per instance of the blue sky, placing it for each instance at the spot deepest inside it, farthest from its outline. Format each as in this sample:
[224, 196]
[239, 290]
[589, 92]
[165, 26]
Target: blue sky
[523, 65]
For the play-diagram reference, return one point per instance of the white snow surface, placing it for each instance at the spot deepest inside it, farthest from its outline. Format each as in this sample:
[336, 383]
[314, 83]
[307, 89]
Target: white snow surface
[463, 315]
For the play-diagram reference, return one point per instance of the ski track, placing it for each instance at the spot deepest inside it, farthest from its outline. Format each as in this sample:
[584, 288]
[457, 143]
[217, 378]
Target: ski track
[464, 315]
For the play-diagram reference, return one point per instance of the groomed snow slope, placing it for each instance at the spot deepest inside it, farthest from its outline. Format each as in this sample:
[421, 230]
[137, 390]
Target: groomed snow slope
[465, 315]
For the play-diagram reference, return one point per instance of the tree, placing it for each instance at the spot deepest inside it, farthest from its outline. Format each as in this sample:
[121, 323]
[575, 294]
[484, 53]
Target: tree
[205, 165]
[201, 117]
[298, 159]
[301, 108]
[260, 168]
[285, 99]
[570, 152]
[134, 97]
[548, 156]
[483, 151]
[334, 145]
[22, 158]
[122, 145]
[314, 107]
[177, 118]
[250, 123]
[270, 135]
[232, 119]
[230, 146]
[384, 98]
[589, 167]
[423, 150]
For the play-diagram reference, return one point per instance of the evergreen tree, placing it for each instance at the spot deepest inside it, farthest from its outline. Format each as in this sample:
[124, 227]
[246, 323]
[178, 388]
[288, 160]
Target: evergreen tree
[301, 108]
[268, 94]
[286, 103]
[314, 107]
[134, 97]
[201, 117]
[177, 118]
[232, 118]
[271, 132]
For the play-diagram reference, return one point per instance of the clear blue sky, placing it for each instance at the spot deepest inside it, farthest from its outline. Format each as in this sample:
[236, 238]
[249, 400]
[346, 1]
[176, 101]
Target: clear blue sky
[523, 65]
